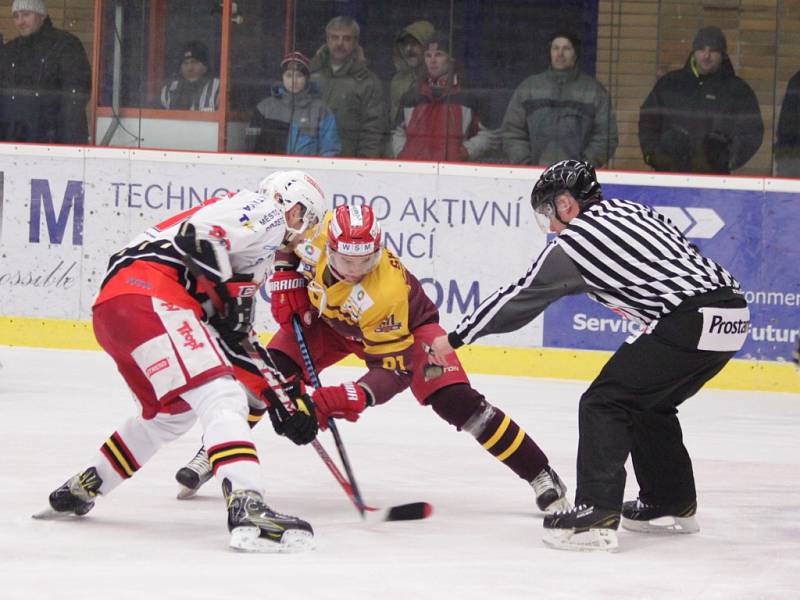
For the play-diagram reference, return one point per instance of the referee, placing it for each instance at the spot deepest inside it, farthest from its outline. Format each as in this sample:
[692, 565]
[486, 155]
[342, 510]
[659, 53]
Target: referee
[693, 319]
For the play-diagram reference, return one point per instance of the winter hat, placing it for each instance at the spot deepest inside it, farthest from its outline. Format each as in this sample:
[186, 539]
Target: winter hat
[441, 40]
[419, 30]
[299, 59]
[573, 38]
[196, 50]
[36, 6]
[711, 37]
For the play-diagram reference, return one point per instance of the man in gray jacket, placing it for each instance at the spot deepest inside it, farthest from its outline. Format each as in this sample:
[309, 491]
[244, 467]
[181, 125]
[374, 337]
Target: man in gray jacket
[560, 113]
[351, 90]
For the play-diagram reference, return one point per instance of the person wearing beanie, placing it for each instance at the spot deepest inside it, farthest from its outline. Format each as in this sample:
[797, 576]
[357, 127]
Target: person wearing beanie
[192, 88]
[561, 113]
[45, 81]
[440, 120]
[293, 119]
[351, 90]
[701, 118]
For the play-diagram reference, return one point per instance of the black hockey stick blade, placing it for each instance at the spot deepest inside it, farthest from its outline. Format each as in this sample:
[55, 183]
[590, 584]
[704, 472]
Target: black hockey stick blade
[402, 512]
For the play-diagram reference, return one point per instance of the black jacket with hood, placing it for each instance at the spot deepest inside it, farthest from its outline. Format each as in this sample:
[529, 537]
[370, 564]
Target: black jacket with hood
[700, 123]
[45, 79]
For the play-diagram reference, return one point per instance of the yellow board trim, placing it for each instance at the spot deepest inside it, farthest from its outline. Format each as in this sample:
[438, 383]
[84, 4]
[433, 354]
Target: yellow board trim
[554, 363]
[497, 434]
[513, 447]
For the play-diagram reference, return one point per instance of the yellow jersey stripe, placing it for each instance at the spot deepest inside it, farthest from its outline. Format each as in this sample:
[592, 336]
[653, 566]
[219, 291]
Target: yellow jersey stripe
[497, 434]
[120, 458]
[514, 445]
[235, 451]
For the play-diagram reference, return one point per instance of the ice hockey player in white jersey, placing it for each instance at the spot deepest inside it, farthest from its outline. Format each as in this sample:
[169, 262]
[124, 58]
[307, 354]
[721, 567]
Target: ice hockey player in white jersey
[693, 319]
[170, 303]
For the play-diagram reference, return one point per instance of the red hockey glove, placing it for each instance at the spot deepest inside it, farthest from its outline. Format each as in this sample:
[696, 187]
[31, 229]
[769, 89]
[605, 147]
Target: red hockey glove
[289, 296]
[342, 401]
[238, 296]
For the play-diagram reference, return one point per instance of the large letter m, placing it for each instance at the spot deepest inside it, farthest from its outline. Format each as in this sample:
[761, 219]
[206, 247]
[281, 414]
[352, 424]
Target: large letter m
[56, 224]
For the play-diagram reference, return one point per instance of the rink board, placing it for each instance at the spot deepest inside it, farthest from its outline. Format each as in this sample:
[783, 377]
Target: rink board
[463, 230]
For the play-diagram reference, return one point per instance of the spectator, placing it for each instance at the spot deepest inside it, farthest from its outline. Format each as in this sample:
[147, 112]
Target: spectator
[45, 79]
[787, 146]
[701, 118]
[293, 119]
[408, 56]
[192, 88]
[437, 120]
[350, 89]
[560, 113]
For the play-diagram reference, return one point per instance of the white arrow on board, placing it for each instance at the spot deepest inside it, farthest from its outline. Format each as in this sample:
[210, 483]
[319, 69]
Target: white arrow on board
[702, 223]
[708, 223]
[675, 214]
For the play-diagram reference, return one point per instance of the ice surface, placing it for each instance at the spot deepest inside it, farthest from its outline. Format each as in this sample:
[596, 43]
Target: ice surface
[483, 540]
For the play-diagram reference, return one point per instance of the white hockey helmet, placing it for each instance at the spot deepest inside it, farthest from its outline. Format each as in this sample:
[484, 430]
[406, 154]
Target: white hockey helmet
[288, 188]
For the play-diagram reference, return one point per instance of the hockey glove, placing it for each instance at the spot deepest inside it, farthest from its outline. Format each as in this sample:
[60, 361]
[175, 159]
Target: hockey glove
[342, 401]
[235, 321]
[289, 297]
[299, 426]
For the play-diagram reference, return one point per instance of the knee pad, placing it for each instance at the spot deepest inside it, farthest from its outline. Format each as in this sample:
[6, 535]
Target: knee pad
[217, 398]
[167, 428]
[462, 407]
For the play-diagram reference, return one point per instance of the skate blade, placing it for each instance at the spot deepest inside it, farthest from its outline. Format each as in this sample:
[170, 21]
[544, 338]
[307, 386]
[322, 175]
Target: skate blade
[663, 525]
[248, 539]
[48, 514]
[184, 493]
[592, 540]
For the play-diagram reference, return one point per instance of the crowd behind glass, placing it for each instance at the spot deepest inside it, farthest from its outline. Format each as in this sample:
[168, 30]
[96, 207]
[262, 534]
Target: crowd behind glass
[700, 118]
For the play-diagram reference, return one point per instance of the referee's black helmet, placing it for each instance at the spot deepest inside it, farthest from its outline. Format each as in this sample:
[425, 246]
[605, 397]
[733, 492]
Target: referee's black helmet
[575, 176]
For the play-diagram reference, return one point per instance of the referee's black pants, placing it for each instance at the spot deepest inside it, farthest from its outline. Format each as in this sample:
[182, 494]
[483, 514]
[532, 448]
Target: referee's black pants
[631, 408]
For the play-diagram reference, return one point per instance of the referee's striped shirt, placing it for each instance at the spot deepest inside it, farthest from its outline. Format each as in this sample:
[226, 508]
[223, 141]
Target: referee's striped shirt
[622, 254]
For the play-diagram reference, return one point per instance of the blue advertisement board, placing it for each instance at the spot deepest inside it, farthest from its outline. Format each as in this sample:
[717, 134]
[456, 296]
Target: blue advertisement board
[753, 234]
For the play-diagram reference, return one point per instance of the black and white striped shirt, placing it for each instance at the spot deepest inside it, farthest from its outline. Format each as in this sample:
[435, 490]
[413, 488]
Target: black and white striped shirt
[622, 254]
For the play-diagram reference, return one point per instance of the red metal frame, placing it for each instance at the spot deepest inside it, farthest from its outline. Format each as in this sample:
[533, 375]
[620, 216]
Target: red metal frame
[222, 111]
[156, 44]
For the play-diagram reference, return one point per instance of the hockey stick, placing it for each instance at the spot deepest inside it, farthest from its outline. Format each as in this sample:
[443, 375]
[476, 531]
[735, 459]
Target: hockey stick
[401, 512]
[208, 288]
[337, 438]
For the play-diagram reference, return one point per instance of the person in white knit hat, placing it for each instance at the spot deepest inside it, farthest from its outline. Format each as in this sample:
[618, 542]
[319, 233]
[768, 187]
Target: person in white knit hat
[45, 79]
[29, 15]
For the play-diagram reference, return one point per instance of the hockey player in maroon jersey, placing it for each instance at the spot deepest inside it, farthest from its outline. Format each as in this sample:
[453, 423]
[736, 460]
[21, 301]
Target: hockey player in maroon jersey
[171, 345]
[369, 305]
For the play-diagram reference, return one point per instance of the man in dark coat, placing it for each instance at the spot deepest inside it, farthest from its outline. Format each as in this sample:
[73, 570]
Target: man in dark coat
[45, 80]
[787, 144]
[701, 118]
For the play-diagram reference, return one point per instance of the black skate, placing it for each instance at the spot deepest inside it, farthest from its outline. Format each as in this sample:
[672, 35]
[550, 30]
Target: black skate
[550, 491]
[582, 528]
[75, 497]
[255, 527]
[196, 472]
[654, 518]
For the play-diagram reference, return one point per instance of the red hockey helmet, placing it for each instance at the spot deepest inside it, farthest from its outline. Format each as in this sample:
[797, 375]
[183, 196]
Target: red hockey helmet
[354, 242]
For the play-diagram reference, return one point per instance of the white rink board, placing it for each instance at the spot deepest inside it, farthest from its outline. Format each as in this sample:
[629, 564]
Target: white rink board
[449, 231]
[463, 230]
